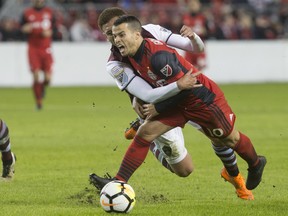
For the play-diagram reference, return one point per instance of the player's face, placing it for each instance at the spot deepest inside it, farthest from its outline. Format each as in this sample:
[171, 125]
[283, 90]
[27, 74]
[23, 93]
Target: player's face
[126, 39]
[107, 30]
[38, 3]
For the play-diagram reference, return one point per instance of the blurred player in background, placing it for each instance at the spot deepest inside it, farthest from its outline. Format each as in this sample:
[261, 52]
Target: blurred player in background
[196, 20]
[8, 158]
[38, 24]
[170, 149]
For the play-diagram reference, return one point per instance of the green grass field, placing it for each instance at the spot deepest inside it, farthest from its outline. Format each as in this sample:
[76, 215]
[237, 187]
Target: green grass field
[80, 130]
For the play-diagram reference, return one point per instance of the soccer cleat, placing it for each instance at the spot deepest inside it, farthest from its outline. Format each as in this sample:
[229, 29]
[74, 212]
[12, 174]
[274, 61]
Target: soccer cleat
[100, 182]
[9, 170]
[255, 174]
[239, 184]
[132, 130]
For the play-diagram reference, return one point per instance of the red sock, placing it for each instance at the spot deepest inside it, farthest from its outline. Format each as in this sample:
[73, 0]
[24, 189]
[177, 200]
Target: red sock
[245, 150]
[134, 157]
[37, 89]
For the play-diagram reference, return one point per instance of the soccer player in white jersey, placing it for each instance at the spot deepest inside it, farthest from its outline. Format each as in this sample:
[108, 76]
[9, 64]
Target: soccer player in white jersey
[169, 148]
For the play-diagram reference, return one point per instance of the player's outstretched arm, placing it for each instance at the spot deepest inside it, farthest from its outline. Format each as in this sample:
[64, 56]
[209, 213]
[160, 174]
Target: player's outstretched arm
[196, 42]
[187, 40]
[126, 79]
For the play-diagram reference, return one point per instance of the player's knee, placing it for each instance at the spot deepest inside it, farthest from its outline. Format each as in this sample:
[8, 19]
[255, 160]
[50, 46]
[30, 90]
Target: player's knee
[146, 133]
[184, 172]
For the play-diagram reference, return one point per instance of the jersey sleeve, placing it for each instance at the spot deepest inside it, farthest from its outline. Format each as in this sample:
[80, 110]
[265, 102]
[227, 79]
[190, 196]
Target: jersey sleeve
[125, 79]
[142, 90]
[175, 40]
[166, 65]
[121, 72]
[184, 43]
[159, 32]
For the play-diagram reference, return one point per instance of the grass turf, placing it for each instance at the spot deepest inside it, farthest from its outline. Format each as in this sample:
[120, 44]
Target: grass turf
[80, 130]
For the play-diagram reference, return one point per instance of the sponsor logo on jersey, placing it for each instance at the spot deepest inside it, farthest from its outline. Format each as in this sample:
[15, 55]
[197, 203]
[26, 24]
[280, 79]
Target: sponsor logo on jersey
[151, 74]
[166, 70]
[161, 82]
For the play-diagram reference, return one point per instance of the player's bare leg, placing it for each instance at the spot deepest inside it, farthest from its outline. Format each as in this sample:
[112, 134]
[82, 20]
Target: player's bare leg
[183, 168]
[133, 159]
[138, 149]
[168, 149]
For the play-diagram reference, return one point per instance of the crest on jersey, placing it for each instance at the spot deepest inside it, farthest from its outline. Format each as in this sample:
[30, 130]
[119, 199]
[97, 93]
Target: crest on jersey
[165, 30]
[118, 73]
[151, 74]
[166, 70]
[31, 17]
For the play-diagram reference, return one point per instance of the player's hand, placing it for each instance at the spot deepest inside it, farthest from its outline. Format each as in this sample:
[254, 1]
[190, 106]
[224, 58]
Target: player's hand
[186, 31]
[149, 111]
[137, 106]
[27, 28]
[47, 33]
[189, 80]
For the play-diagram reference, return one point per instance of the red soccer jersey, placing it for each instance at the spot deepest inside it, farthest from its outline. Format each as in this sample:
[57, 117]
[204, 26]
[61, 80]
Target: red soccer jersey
[168, 66]
[160, 65]
[41, 19]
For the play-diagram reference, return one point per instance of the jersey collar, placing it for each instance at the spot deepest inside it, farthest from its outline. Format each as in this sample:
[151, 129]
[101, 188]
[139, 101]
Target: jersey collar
[138, 55]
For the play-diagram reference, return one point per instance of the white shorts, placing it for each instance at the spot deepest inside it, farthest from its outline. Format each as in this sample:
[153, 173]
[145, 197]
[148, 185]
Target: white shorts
[171, 145]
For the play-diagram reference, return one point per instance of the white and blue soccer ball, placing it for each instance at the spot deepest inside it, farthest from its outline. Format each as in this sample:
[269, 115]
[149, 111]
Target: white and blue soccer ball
[117, 196]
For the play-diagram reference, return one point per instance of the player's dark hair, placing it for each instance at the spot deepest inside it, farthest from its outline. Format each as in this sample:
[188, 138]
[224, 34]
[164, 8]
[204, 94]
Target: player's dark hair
[132, 22]
[109, 13]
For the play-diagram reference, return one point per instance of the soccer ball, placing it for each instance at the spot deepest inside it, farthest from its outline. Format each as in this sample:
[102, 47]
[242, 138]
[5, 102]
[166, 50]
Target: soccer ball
[117, 196]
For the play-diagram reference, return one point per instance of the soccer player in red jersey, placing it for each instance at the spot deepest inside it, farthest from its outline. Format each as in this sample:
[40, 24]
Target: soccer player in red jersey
[160, 65]
[127, 79]
[8, 158]
[38, 23]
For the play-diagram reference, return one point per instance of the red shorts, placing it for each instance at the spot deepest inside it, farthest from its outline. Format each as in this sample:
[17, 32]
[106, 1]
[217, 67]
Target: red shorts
[217, 119]
[173, 118]
[40, 59]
